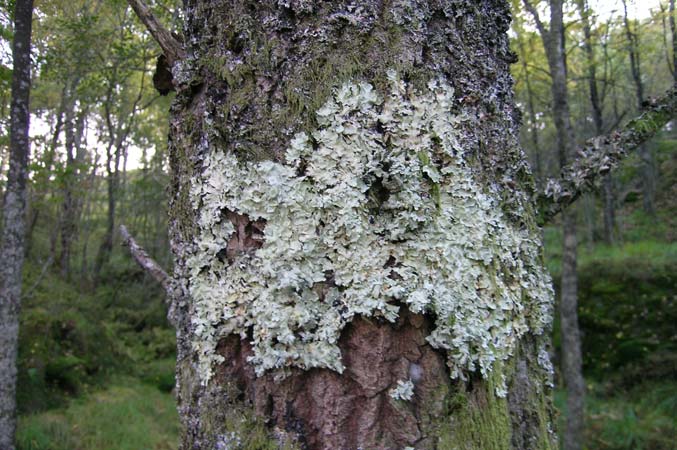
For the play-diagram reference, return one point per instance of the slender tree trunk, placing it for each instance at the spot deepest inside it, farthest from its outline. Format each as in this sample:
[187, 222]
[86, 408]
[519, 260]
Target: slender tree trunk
[572, 368]
[4, 157]
[43, 181]
[68, 222]
[117, 135]
[13, 234]
[647, 170]
[553, 41]
[531, 109]
[596, 103]
[571, 342]
[673, 32]
[348, 309]
[609, 198]
[112, 185]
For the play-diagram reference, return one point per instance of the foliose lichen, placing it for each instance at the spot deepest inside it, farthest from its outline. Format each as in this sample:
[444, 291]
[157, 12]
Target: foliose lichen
[376, 209]
[403, 391]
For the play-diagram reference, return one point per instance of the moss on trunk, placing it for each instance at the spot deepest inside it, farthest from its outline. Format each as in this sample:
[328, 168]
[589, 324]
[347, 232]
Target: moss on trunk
[259, 75]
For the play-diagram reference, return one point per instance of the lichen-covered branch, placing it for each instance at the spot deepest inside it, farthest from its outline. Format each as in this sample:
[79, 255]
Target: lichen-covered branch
[149, 265]
[171, 47]
[601, 154]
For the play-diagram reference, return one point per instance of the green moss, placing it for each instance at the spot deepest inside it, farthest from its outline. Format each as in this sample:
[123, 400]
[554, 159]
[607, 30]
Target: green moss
[247, 432]
[234, 426]
[481, 419]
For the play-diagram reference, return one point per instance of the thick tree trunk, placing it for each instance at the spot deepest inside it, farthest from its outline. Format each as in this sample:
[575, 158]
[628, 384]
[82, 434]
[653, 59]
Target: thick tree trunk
[13, 220]
[357, 260]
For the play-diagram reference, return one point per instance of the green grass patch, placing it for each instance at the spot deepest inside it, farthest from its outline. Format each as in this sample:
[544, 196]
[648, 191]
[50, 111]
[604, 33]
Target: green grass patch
[642, 418]
[129, 415]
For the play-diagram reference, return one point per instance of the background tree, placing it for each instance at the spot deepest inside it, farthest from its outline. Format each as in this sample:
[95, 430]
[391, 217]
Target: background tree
[648, 172]
[13, 221]
[553, 42]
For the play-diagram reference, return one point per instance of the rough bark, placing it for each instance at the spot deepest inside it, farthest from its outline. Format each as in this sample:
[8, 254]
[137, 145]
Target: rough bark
[255, 74]
[13, 229]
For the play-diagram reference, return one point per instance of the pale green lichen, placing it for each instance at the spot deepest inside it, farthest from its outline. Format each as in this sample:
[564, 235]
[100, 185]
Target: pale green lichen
[403, 391]
[377, 208]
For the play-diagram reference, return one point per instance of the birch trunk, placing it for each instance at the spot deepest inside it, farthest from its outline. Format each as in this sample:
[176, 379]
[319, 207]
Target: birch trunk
[12, 239]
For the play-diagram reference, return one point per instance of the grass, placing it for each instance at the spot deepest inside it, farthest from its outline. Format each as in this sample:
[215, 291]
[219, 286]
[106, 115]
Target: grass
[129, 415]
[633, 255]
[642, 418]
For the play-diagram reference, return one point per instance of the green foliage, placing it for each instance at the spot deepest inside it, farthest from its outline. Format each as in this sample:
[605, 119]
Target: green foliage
[72, 338]
[627, 311]
[126, 416]
[628, 308]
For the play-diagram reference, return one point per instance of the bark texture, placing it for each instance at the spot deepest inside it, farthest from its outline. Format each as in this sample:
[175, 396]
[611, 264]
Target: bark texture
[254, 75]
[12, 240]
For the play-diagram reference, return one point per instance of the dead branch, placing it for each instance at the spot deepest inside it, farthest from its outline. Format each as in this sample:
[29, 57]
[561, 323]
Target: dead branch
[171, 47]
[149, 265]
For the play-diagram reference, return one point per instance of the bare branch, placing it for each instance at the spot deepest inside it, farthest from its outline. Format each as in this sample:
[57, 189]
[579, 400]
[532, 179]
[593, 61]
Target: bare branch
[171, 47]
[601, 154]
[145, 261]
[537, 18]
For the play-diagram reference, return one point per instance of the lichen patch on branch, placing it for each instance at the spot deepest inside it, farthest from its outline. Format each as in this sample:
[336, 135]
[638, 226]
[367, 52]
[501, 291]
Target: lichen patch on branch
[375, 210]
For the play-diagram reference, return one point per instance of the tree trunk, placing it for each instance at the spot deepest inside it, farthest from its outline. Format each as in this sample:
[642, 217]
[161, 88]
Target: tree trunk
[13, 234]
[357, 260]
[673, 33]
[533, 121]
[647, 170]
[70, 205]
[596, 103]
[553, 42]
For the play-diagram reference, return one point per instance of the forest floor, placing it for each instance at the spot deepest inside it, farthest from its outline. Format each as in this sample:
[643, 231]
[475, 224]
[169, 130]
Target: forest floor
[127, 415]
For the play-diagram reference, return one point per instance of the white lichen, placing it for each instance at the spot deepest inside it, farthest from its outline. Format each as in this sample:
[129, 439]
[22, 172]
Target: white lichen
[545, 363]
[377, 208]
[403, 391]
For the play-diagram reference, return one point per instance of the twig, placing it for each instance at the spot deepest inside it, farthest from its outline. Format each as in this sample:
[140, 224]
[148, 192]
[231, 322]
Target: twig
[171, 47]
[601, 154]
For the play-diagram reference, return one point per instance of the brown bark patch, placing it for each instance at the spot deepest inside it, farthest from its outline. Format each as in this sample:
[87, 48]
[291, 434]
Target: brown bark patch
[327, 410]
[248, 235]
